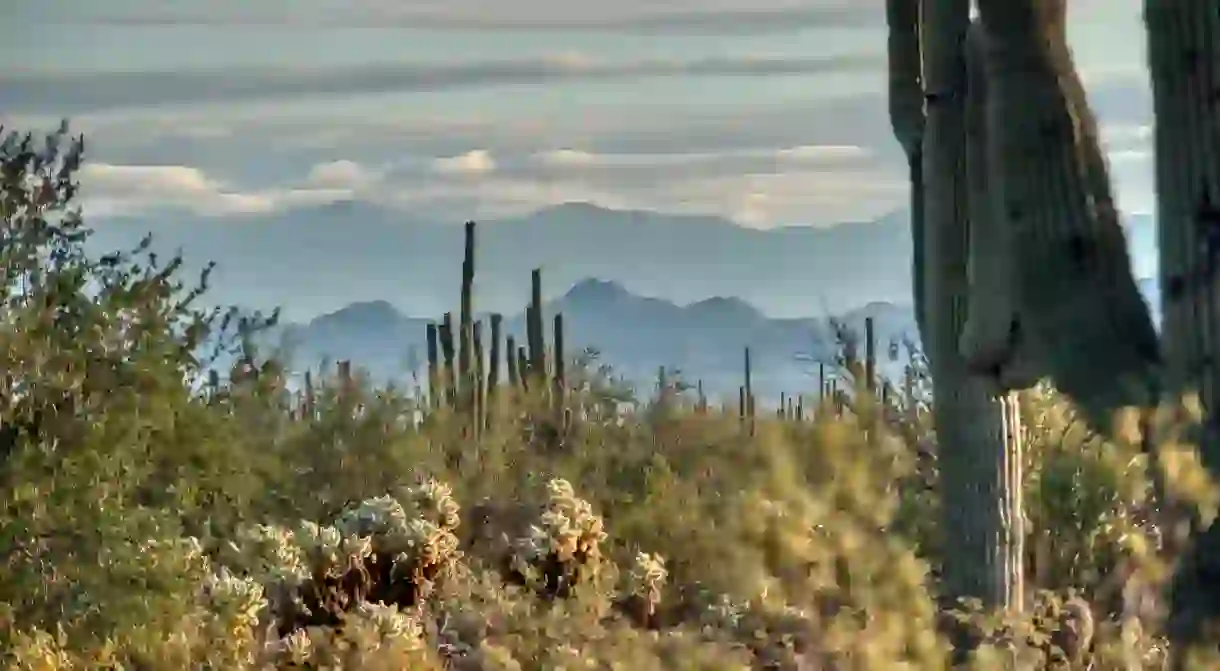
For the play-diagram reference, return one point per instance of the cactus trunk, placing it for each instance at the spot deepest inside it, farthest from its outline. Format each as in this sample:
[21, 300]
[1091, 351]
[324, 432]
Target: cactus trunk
[445, 332]
[535, 337]
[749, 393]
[510, 359]
[466, 332]
[560, 381]
[434, 377]
[478, 401]
[976, 446]
[1184, 60]
[999, 474]
[493, 366]
[870, 356]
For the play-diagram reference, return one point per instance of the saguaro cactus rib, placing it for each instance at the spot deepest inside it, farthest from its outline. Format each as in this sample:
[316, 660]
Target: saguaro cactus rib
[1077, 298]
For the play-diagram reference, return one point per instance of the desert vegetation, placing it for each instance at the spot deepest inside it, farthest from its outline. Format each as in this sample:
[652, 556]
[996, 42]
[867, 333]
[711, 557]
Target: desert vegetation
[1036, 492]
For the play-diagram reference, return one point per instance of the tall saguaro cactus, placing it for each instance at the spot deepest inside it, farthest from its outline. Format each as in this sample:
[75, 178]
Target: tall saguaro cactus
[466, 326]
[1184, 60]
[989, 303]
[928, 92]
[535, 336]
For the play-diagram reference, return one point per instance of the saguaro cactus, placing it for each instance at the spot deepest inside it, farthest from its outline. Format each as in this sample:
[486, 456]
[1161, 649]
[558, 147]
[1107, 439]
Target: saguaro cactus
[535, 336]
[510, 359]
[434, 377]
[748, 393]
[493, 365]
[445, 332]
[1184, 60]
[466, 326]
[972, 427]
[560, 383]
[477, 378]
[870, 356]
[999, 475]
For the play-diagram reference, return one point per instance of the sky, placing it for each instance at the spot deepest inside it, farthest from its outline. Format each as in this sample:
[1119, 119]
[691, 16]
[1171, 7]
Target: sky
[765, 112]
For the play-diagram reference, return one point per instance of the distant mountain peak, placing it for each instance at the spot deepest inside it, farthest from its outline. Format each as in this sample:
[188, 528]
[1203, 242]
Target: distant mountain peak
[575, 206]
[592, 289]
[725, 306]
[363, 313]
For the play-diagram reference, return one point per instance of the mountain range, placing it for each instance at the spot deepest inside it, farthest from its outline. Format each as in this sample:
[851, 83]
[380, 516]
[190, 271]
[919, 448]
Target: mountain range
[636, 335]
[704, 340]
[317, 259]
[311, 260]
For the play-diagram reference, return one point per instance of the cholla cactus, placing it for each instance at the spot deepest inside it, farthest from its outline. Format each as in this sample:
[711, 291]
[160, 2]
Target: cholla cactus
[371, 636]
[377, 551]
[415, 544]
[330, 552]
[378, 625]
[565, 545]
[646, 580]
[434, 501]
[237, 600]
[267, 554]
[297, 648]
[567, 528]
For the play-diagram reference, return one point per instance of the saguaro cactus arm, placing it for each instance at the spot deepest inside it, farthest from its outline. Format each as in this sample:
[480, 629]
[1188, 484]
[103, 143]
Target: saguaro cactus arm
[991, 341]
[906, 107]
[1076, 296]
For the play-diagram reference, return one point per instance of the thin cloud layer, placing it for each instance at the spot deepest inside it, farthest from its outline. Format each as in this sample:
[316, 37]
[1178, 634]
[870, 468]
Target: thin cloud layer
[473, 162]
[715, 17]
[109, 190]
[68, 93]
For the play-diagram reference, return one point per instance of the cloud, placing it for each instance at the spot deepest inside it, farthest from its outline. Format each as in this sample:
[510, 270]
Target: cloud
[474, 162]
[820, 153]
[637, 170]
[109, 190]
[804, 194]
[568, 158]
[341, 174]
[742, 186]
[638, 16]
[72, 93]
